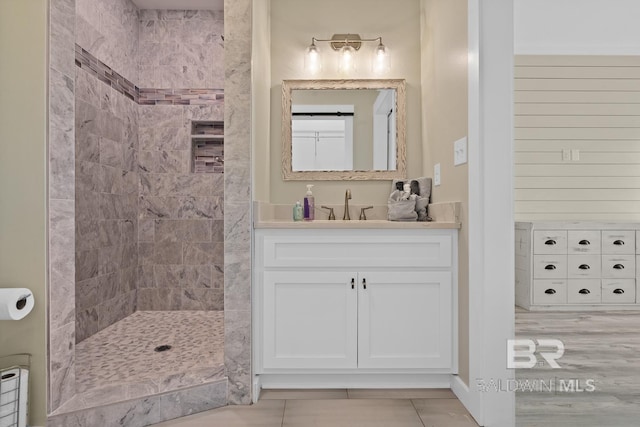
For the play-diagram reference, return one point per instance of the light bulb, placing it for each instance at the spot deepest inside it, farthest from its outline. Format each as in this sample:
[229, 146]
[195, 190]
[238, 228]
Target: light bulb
[381, 63]
[347, 64]
[312, 60]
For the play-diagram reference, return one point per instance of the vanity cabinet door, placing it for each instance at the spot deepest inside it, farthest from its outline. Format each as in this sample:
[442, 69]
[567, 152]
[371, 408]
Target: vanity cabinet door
[404, 319]
[310, 319]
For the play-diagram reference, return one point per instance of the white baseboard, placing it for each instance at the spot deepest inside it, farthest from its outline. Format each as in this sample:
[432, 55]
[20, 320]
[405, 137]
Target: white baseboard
[257, 387]
[473, 405]
[307, 381]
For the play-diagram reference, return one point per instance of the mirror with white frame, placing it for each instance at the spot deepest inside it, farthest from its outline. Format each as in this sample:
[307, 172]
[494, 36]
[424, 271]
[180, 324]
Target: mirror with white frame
[343, 129]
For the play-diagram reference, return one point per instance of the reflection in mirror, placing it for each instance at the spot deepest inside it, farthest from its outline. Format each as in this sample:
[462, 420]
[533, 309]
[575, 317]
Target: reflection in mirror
[343, 129]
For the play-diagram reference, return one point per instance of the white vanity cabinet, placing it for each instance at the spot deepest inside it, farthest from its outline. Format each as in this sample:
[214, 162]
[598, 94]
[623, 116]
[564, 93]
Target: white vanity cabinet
[355, 301]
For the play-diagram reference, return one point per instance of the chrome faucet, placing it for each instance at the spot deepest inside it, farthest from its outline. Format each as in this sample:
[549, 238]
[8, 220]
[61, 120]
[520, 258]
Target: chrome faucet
[347, 196]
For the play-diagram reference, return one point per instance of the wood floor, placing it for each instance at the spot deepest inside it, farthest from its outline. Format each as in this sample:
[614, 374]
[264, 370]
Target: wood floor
[602, 349]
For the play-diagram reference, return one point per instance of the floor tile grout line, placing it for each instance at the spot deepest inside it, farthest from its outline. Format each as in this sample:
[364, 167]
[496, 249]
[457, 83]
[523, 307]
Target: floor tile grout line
[417, 413]
[284, 409]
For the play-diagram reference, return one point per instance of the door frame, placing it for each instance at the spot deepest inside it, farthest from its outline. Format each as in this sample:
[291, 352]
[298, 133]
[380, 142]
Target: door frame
[491, 233]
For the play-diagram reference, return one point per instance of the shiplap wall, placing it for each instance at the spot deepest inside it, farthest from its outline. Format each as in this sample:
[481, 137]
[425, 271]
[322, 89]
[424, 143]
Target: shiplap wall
[585, 103]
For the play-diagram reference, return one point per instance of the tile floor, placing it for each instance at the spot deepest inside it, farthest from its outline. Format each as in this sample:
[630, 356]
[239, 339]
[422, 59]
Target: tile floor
[339, 408]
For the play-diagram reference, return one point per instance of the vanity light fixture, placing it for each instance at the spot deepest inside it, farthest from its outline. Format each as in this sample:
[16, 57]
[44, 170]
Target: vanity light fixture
[347, 45]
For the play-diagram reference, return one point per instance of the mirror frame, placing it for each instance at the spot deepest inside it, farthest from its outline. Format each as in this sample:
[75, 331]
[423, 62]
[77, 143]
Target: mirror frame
[401, 144]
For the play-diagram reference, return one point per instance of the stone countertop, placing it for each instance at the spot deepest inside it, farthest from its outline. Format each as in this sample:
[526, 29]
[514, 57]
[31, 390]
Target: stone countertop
[445, 216]
[374, 223]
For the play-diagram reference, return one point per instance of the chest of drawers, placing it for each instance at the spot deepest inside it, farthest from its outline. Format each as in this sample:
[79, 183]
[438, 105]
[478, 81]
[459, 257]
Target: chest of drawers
[577, 265]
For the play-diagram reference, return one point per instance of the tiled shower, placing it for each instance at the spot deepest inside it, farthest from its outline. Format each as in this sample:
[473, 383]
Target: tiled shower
[107, 30]
[149, 226]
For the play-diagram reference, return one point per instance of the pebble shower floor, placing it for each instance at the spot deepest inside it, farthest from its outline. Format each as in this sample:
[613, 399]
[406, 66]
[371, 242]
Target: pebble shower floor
[122, 361]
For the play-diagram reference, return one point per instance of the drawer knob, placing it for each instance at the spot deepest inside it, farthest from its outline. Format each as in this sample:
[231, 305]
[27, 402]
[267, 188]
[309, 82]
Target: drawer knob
[550, 267]
[619, 242]
[550, 291]
[584, 291]
[584, 242]
[619, 291]
[584, 267]
[619, 267]
[550, 242]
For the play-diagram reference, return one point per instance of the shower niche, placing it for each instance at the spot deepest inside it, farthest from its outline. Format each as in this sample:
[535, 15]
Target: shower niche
[207, 147]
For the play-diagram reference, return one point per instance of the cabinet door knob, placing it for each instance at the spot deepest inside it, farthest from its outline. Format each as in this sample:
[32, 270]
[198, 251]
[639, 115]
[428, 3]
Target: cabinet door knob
[619, 242]
[584, 242]
[584, 291]
[619, 267]
[550, 267]
[364, 283]
[353, 283]
[550, 291]
[550, 242]
[619, 291]
[584, 267]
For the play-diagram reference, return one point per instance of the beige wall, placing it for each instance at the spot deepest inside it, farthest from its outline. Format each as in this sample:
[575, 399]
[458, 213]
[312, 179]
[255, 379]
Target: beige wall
[293, 23]
[23, 26]
[444, 120]
[260, 102]
[584, 103]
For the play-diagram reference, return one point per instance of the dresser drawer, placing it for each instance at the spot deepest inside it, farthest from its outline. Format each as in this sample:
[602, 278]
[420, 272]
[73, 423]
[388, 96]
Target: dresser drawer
[618, 291]
[583, 241]
[550, 242]
[550, 266]
[619, 266]
[583, 266]
[618, 242]
[549, 291]
[585, 291]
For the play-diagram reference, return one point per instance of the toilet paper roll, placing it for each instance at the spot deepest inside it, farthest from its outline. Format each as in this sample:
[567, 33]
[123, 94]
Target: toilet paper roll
[15, 303]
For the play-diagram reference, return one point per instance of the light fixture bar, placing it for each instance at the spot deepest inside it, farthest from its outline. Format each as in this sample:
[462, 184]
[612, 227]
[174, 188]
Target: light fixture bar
[347, 45]
[338, 41]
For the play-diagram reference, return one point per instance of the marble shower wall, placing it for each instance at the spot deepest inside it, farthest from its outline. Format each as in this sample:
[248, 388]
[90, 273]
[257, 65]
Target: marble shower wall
[237, 202]
[109, 29]
[106, 205]
[181, 215]
[181, 49]
[106, 145]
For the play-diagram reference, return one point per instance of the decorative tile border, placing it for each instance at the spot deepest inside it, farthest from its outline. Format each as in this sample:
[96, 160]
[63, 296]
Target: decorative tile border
[106, 74]
[145, 96]
[180, 96]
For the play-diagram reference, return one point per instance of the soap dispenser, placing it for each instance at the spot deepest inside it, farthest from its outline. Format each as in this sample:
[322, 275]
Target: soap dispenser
[309, 204]
[298, 212]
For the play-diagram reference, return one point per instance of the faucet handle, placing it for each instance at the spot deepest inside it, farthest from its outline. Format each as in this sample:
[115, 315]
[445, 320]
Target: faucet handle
[332, 216]
[363, 217]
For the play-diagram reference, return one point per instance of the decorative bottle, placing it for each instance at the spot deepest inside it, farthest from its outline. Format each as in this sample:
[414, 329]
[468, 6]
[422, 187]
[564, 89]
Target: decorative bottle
[309, 204]
[298, 214]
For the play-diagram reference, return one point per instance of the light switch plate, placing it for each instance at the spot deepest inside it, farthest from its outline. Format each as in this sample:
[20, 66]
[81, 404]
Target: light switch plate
[575, 155]
[566, 155]
[436, 174]
[460, 151]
